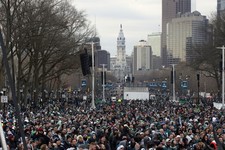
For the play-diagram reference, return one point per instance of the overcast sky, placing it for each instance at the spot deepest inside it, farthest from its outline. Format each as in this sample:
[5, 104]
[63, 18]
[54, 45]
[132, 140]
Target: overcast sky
[138, 17]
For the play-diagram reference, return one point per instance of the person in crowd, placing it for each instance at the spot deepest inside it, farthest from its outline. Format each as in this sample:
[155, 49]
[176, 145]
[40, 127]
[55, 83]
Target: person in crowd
[67, 143]
[40, 136]
[128, 125]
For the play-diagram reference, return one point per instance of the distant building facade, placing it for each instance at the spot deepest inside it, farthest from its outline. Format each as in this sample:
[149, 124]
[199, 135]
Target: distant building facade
[142, 57]
[182, 33]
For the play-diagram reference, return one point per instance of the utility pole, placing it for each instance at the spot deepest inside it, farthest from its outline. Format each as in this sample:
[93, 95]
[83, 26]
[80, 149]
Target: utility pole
[223, 48]
[103, 82]
[174, 92]
[198, 79]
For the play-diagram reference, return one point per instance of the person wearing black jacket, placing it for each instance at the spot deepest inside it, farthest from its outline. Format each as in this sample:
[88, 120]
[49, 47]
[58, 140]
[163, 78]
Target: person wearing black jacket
[12, 142]
[41, 137]
[115, 138]
[220, 146]
[67, 142]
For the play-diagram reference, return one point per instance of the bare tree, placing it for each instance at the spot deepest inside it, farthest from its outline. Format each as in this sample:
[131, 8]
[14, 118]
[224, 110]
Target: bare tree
[208, 56]
[46, 40]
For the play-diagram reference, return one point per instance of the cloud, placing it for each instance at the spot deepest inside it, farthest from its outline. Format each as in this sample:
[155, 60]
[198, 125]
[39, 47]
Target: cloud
[123, 9]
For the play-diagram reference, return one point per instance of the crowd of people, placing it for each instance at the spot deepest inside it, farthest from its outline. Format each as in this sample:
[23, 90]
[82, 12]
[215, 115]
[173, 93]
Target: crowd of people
[123, 125]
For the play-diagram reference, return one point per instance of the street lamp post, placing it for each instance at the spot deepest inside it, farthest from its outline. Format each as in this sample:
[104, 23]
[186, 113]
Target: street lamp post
[21, 92]
[174, 96]
[198, 78]
[103, 82]
[34, 98]
[93, 77]
[4, 94]
[223, 48]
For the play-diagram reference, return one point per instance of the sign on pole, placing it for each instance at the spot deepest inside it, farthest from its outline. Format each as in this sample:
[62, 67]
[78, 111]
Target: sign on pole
[85, 98]
[4, 99]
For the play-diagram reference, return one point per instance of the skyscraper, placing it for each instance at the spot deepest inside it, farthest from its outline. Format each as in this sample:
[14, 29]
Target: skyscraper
[183, 6]
[170, 9]
[154, 40]
[142, 58]
[220, 7]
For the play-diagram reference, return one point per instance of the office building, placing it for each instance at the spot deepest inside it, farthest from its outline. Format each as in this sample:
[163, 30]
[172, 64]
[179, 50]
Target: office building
[220, 8]
[183, 32]
[154, 40]
[142, 57]
[170, 9]
[220, 5]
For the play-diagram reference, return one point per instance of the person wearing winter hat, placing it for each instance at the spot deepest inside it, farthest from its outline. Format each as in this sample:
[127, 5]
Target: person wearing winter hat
[167, 144]
[103, 143]
[121, 147]
[41, 136]
[12, 141]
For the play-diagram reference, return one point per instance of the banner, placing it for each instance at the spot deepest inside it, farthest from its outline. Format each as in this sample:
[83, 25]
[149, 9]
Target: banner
[217, 105]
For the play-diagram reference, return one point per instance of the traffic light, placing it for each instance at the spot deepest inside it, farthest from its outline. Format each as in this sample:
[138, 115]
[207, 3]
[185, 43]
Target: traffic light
[221, 66]
[90, 61]
[198, 77]
[128, 79]
[84, 59]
